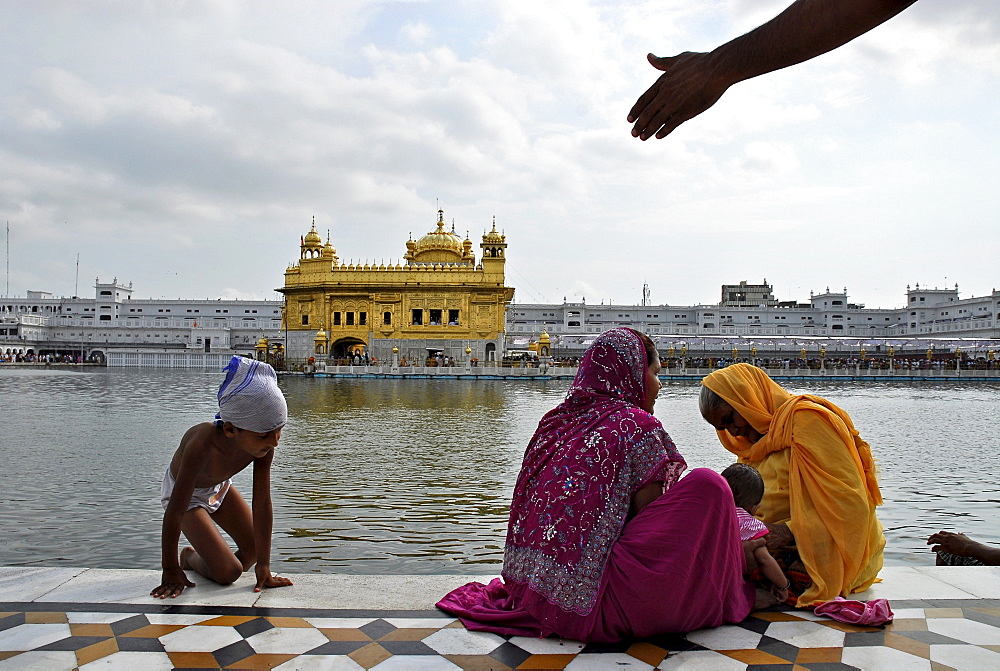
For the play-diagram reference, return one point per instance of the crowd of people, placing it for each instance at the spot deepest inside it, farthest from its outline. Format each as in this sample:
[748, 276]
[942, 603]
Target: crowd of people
[837, 363]
[22, 357]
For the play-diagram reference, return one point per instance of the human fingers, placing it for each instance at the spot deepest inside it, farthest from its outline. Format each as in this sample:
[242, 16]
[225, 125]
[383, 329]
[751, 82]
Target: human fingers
[661, 112]
[652, 118]
[277, 581]
[670, 125]
[271, 581]
[641, 107]
[660, 62]
[640, 110]
[170, 590]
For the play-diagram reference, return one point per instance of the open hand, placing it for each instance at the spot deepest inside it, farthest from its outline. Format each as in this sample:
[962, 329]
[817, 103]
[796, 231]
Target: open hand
[687, 87]
[172, 583]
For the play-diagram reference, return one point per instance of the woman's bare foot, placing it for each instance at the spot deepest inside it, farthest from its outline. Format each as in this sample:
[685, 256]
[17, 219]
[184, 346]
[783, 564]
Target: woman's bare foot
[764, 599]
[185, 556]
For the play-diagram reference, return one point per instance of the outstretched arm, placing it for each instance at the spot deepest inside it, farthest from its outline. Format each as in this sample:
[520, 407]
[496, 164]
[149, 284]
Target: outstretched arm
[693, 81]
[961, 545]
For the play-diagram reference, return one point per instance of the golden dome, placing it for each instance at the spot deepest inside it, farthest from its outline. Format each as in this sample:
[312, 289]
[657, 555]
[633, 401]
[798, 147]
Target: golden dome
[312, 238]
[438, 246]
[329, 252]
[493, 236]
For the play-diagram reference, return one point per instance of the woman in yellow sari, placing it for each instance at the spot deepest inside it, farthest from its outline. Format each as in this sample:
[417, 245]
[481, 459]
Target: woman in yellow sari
[819, 476]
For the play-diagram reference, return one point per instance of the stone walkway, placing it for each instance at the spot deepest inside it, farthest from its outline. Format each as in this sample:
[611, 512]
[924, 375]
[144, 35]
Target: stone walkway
[63, 618]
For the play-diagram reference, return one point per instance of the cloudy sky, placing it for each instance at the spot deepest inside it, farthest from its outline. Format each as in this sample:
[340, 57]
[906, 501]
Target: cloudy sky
[186, 146]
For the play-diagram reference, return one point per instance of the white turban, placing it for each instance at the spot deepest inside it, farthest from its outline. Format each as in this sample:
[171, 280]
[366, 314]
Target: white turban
[249, 397]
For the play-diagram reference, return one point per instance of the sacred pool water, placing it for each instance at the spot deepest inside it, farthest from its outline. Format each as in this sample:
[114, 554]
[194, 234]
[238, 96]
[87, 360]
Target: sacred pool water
[415, 476]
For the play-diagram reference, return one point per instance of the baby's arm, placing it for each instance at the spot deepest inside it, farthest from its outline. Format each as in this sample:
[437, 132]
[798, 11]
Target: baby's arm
[769, 567]
[263, 521]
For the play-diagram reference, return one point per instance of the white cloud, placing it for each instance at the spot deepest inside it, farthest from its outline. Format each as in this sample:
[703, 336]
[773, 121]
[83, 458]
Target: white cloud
[418, 33]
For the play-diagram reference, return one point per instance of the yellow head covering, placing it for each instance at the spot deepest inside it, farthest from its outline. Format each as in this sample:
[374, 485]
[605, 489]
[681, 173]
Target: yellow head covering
[768, 407]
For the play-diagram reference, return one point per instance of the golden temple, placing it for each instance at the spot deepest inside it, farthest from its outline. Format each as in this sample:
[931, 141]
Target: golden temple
[439, 301]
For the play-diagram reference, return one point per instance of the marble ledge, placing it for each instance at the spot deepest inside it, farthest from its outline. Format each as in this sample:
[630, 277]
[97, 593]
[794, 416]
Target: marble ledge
[396, 592]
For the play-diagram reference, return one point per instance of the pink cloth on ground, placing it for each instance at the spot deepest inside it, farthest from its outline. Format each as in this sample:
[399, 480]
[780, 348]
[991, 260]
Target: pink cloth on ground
[677, 567]
[875, 612]
[750, 526]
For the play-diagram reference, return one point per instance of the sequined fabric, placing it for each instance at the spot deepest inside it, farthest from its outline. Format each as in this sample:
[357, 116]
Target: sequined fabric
[587, 458]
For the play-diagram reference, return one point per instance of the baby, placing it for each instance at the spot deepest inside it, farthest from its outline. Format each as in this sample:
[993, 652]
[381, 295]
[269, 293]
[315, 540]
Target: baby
[198, 495]
[748, 490]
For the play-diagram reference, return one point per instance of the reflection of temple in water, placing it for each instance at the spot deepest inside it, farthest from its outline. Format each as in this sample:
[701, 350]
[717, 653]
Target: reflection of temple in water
[439, 301]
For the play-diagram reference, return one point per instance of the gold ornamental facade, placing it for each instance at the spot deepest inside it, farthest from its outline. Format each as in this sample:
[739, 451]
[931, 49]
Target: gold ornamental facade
[438, 302]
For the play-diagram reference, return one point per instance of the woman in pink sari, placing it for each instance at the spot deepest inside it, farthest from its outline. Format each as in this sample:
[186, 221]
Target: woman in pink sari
[605, 541]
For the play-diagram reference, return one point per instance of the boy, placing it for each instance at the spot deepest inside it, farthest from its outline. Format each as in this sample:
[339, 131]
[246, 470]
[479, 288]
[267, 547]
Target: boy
[198, 493]
[748, 490]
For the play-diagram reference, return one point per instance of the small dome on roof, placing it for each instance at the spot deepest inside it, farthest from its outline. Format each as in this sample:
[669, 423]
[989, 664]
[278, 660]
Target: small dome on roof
[329, 252]
[313, 238]
[493, 236]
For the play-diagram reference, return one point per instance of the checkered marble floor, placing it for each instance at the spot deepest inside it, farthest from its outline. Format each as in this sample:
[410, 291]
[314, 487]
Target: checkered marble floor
[43, 632]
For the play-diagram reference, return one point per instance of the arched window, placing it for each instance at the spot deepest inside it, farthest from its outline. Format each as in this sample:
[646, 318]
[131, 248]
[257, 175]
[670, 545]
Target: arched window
[387, 318]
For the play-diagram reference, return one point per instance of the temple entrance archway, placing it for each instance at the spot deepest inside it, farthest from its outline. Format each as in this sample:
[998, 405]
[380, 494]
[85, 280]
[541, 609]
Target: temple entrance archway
[348, 348]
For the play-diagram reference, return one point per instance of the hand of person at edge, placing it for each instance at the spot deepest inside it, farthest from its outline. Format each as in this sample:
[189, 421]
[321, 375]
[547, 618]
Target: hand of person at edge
[265, 579]
[172, 583]
[687, 87]
[957, 544]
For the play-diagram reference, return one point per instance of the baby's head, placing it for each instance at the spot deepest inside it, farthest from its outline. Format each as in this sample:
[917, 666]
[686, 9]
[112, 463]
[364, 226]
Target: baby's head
[747, 485]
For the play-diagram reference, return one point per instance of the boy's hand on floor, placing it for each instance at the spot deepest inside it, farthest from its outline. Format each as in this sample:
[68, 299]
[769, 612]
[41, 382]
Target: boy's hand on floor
[265, 580]
[172, 583]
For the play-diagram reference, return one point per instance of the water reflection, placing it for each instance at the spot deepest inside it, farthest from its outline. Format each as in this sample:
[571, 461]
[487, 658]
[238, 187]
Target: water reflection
[419, 471]
[414, 476]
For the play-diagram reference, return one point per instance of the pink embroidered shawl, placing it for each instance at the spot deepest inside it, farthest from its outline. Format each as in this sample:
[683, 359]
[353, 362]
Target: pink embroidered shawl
[588, 456]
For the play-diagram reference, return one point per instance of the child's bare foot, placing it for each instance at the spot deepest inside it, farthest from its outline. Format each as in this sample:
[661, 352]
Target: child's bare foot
[185, 556]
